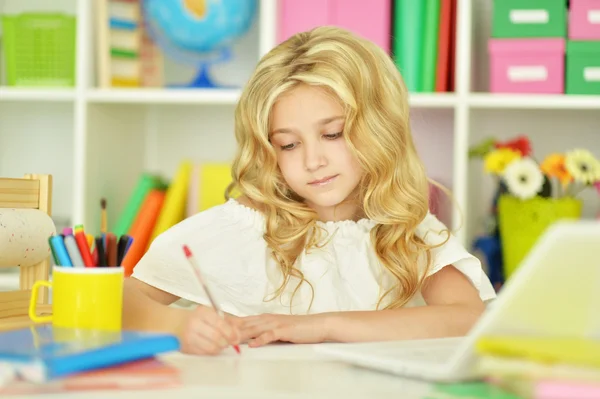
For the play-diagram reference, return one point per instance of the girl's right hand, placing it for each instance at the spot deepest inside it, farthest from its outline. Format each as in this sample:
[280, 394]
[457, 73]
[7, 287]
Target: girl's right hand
[204, 332]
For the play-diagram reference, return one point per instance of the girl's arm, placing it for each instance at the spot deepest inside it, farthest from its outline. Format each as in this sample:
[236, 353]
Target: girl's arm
[147, 308]
[453, 308]
[201, 331]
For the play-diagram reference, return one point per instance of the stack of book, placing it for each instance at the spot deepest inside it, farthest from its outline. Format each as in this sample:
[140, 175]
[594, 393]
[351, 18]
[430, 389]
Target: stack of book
[424, 43]
[126, 55]
[48, 359]
[157, 204]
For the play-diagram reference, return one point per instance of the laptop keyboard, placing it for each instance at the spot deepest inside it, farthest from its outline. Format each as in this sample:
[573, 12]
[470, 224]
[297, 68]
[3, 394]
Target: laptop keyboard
[430, 353]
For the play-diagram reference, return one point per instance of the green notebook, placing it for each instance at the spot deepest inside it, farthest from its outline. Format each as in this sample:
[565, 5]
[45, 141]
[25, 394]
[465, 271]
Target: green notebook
[409, 17]
[431, 29]
[145, 183]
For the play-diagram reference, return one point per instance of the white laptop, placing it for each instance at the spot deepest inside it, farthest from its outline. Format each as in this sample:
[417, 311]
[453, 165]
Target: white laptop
[555, 289]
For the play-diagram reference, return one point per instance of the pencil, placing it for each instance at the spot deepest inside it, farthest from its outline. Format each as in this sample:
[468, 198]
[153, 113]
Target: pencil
[196, 268]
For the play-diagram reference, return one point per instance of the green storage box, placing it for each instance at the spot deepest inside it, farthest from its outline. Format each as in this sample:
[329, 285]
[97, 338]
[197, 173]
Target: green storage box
[583, 67]
[39, 49]
[529, 18]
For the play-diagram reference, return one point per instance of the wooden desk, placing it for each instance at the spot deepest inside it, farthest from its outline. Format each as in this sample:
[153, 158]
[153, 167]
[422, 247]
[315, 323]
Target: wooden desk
[273, 372]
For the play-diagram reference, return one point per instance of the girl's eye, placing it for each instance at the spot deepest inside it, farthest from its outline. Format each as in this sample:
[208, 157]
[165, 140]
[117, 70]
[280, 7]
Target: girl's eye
[332, 136]
[288, 147]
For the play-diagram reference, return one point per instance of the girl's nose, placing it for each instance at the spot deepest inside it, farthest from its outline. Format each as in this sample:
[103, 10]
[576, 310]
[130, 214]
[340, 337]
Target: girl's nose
[314, 157]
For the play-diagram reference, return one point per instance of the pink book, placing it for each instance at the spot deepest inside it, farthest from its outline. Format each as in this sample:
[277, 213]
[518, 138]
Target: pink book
[302, 15]
[369, 19]
[566, 390]
[146, 374]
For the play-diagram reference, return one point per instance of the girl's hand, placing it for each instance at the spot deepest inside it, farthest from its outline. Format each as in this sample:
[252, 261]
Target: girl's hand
[204, 332]
[263, 329]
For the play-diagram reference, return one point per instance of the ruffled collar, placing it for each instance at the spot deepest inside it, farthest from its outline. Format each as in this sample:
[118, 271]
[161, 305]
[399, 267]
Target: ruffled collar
[364, 225]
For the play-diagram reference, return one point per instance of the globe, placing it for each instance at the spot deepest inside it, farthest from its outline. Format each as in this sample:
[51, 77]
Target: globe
[198, 32]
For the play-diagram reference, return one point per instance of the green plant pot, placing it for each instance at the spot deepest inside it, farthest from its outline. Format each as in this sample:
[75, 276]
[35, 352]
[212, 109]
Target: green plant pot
[522, 222]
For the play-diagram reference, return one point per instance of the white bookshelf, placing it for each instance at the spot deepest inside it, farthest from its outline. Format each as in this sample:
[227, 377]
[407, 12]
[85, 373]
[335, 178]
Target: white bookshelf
[161, 96]
[96, 142]
[509, 101]
[36, 95]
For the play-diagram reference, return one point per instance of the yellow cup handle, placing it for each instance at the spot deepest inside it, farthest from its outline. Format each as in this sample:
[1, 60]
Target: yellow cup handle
[33, 301]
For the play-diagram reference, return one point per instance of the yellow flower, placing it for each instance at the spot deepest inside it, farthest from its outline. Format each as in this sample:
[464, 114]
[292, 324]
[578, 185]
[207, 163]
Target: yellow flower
[554, 166]
[495, 161]
[583, 166]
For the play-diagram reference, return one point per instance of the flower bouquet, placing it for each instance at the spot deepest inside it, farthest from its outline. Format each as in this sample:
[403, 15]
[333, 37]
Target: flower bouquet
[532, 195]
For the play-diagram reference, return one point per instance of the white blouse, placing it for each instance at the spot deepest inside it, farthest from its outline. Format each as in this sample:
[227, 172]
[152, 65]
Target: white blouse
[345, 274]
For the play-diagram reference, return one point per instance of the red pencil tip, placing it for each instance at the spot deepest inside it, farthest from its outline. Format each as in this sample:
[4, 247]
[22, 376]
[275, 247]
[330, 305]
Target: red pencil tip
[187, 251]
[237, 349]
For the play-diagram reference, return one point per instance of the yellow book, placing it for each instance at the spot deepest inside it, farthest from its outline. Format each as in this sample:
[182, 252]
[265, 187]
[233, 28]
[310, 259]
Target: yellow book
[214, 180]
[173, 209]
[193, 192]
[514, 367]
[574, 351]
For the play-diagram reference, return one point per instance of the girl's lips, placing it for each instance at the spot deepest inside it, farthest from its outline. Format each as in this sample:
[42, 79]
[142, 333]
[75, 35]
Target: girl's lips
[323, 181]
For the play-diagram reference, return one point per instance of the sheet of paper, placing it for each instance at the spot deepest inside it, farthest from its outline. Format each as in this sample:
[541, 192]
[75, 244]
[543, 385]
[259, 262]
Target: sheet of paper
[291, 369]
[7, 374]
[275, 351]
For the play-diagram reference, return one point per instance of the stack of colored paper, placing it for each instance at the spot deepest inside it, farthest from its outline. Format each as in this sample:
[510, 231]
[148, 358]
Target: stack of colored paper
[542, 368]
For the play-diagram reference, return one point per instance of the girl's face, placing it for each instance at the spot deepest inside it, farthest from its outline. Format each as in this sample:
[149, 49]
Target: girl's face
[307, 128]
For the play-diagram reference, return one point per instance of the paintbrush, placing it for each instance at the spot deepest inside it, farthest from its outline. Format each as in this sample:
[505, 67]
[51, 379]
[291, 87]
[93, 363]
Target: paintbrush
[103, 222]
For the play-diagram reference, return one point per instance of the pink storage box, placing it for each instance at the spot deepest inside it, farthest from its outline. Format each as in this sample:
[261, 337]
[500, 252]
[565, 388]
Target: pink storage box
[369, 19]
[527, 65]
[584, 20]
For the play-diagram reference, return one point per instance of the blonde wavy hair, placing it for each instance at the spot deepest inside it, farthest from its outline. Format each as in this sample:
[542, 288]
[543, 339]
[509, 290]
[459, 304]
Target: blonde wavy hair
[393, 191]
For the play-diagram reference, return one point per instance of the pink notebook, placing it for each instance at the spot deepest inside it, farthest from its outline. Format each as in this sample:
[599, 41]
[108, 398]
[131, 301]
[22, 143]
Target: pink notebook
[302, 15]
[566, 390]
[146, 374]
[369, 19]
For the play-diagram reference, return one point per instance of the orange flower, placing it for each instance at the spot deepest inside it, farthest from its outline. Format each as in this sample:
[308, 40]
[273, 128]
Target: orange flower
[554, 166]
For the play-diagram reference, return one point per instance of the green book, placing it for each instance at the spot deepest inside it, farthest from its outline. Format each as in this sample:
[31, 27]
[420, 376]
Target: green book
[431, 29]
[409, 17]
[145, 184]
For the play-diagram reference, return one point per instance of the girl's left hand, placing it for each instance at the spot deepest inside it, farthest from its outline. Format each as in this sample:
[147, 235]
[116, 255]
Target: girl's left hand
[263, 329]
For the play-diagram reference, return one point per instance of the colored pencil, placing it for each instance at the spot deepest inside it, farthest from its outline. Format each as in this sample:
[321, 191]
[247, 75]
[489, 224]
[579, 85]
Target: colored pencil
[196, 269]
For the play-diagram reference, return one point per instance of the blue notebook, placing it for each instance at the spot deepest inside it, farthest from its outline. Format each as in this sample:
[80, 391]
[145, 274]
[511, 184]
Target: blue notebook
[44, 352]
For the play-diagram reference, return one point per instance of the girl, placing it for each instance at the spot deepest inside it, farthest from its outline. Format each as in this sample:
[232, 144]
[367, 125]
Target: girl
[331, 238]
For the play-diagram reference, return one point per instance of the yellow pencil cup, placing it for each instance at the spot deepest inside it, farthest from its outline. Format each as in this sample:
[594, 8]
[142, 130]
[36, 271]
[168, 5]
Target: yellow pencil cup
[90, 297]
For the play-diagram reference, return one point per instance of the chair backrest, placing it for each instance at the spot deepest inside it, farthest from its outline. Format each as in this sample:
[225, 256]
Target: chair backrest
[31, 192]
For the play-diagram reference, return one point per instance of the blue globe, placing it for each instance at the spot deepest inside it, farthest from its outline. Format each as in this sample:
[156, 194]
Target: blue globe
[192, 30]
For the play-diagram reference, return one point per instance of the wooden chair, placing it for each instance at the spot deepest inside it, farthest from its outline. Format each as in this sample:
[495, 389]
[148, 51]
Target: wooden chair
[30, 192]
